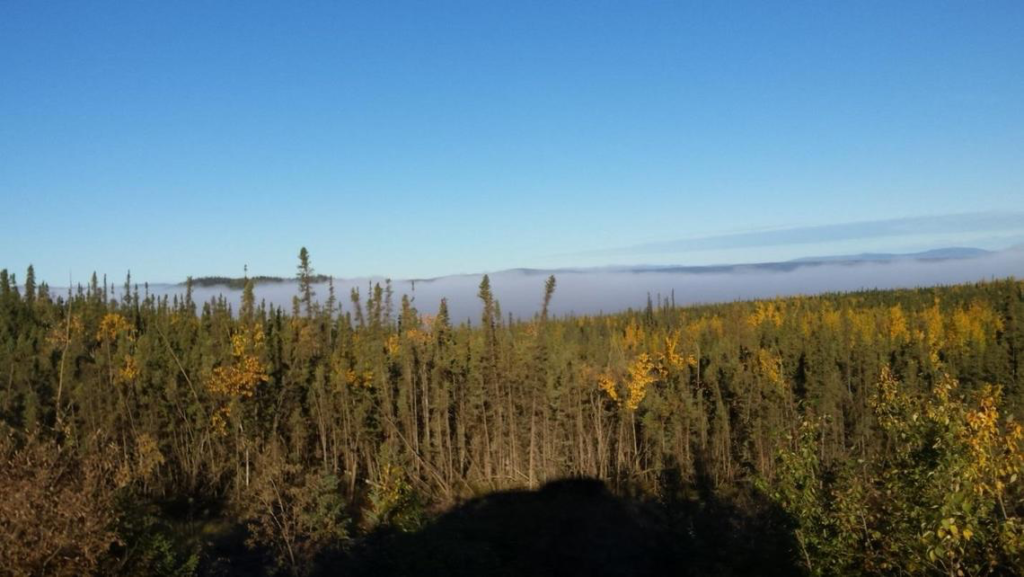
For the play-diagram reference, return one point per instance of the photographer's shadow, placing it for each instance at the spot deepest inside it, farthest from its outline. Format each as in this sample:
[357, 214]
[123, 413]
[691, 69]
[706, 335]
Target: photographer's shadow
[576, 527]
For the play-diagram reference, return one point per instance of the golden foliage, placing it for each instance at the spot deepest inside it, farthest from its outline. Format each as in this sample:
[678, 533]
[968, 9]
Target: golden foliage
[861, 327]
[640, 377]
[769, 367]
[897, 325]
[997, 453]
[359, 380]
[392, 345]
[417, 337]
[942, 501]
[977, 457]
[673, 359]
[606, 383]
[933, 336]
[642, 373]
[239, 378]
[219, 420]
[830, 318]
[708, 327]
[971, 325]
[129, 371]
[111, 326]
[766, 312]
[634, 335]
[889, 404]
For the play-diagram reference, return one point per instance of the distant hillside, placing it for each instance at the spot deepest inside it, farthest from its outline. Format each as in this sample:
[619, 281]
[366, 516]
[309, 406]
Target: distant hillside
[940, 254]
[936, 254]
[239, 283]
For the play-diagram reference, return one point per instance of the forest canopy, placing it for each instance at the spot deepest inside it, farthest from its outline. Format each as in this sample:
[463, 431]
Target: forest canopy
[884, 426]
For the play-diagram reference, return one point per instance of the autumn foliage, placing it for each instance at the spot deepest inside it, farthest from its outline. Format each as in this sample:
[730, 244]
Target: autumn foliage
[885, 424]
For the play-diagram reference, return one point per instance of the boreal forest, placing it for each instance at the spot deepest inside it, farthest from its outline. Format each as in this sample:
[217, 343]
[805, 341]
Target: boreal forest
[867, 433]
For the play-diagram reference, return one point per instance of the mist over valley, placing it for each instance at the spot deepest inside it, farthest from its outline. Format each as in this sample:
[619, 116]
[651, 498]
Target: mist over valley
[588, 291]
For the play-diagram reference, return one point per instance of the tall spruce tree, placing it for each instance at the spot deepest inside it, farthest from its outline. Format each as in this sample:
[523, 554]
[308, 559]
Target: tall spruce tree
[30, 285]
[305, 277]
[549, 291]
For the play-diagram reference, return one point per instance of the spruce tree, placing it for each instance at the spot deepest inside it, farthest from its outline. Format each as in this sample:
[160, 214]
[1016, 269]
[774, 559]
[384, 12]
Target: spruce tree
[549, 291]
[30, 285]
[443, 323]
[485, 295]
[410, 317]
[94, 287]
[357, 308]
[127, 296]
[305, 276]
[332, 299]
[248, 309]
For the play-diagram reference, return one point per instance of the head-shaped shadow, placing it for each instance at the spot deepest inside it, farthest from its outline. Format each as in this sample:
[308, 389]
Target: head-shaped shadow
[577, 527]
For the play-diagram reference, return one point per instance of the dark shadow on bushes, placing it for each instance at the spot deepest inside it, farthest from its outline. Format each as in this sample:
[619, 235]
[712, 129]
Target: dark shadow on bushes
[741, 533]
[577, 527]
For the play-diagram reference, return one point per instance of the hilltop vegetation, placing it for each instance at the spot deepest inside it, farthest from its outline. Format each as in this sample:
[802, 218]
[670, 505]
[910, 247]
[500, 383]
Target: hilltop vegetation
[239, 283]
[866, 433]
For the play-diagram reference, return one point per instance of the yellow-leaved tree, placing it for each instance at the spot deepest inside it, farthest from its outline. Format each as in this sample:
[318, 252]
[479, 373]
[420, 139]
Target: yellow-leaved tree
[943, 498]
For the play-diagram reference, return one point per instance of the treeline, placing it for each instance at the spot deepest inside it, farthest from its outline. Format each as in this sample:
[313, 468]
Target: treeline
[881, 422]
[239, 283]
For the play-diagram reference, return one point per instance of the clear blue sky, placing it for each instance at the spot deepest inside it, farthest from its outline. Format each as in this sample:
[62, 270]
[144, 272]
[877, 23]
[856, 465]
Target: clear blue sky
[427, 138]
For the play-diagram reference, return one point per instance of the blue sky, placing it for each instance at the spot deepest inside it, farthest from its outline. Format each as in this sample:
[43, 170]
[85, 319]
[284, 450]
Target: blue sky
[428, 138]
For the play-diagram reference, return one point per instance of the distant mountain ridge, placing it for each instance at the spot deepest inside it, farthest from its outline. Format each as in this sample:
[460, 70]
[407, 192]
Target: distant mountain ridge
[936, 254]
[940, 254]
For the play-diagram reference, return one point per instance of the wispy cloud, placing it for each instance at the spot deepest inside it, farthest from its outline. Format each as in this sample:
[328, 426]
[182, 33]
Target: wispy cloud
[946, 225]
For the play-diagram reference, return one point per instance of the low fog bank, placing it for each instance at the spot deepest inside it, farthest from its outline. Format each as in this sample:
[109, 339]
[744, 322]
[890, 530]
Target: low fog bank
[590, 292]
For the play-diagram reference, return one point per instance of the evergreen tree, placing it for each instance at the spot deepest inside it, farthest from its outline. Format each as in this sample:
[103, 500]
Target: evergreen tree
[487, 318]
[305, 277]
[30, 285]
[248, 309]
[549, 291]
[357, 307]
[443, 323]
